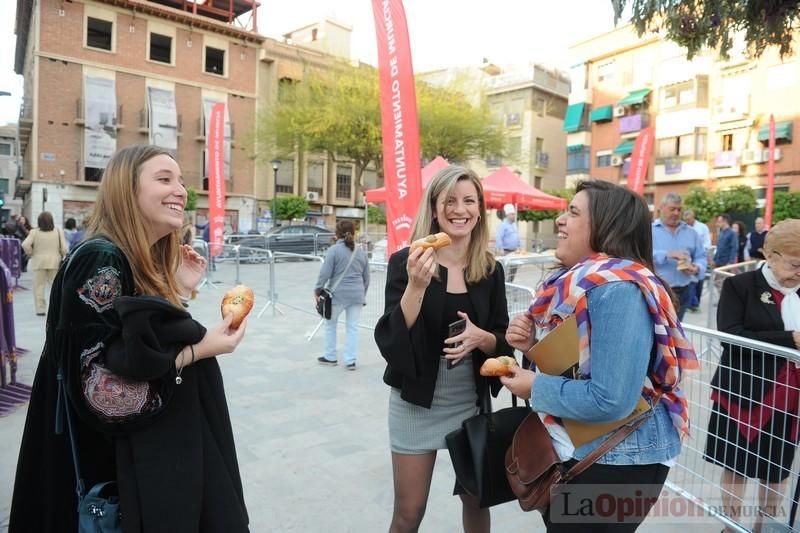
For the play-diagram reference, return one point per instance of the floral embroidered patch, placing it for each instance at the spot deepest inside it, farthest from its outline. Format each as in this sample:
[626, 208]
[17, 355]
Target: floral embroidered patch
[90, 354]
[100, 291]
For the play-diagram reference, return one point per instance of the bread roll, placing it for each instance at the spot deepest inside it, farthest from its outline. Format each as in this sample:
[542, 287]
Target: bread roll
[498, 366]
[237, 302]
[439, 240]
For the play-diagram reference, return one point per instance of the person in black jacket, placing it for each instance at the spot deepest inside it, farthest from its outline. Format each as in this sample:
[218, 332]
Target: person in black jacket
[140, 374]
[433, 374]
[753, 427]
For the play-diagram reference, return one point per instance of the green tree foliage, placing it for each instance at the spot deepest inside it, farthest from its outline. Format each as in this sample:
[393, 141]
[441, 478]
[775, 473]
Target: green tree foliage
[785, 205]
[337, 112]
[290, 207]
[707, 205]
[191, 199]
[375, 215]
[546, 214]
[698, 24]
[703, 202]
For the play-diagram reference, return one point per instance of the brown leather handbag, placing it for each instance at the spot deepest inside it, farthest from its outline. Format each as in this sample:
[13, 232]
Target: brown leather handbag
[533, 467]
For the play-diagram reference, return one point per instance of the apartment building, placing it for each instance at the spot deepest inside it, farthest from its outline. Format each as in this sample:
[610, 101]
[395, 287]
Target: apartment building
[103, 74]
[710, 117]
[8, 171]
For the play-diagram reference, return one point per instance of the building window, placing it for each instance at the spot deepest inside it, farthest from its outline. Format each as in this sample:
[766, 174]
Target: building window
[215, 61]
[344, 178]
[315, 174]
[537, 182]
[98, 33]
[604, 160]
[578, 161]
[3, 186]
[727, 142]
[690, 146]
[5, 149]
[160, 48]
[92, 174]
[285, 181]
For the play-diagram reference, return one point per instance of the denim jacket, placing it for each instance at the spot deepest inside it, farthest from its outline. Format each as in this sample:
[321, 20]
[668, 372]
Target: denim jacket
[621, 342]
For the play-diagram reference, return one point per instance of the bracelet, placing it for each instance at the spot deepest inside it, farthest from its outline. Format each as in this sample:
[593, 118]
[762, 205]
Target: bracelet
[178, 379]
[191, 348]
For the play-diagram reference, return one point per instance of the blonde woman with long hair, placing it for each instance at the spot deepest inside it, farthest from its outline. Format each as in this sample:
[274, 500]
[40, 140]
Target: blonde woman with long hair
[433, 375]
[141, 384]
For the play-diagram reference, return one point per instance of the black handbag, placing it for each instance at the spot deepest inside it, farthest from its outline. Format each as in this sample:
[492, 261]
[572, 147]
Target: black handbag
[98, 509]
[325, 304]
[478, 450]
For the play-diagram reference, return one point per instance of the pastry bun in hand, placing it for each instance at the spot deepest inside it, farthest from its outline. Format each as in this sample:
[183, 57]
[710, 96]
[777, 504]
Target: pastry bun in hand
[436, 241]
[237, 302]
[498, 366]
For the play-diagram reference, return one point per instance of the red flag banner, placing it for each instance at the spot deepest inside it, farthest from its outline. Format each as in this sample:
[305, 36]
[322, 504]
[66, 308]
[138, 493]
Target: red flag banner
[640, 158]
[770, 173]
[399, 126]
[215, 138]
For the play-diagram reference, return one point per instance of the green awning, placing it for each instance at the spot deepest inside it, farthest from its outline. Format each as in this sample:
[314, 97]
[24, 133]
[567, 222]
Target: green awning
[635, 97]
[602, 114]
[575, 147]
[572, 122]
[783, 131]
[625, 147]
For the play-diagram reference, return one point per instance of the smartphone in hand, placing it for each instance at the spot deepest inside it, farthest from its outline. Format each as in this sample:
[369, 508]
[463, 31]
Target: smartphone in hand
[452, 330]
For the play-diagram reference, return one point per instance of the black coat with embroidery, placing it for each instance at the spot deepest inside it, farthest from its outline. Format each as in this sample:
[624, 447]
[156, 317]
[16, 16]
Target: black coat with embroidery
[169, 447]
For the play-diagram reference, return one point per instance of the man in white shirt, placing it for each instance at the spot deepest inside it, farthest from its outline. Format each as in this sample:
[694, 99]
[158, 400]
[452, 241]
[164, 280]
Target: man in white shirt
[507, 237]
[705, 236]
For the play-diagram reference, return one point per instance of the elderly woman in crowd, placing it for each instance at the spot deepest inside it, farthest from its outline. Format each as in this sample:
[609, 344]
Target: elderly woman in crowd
[753, 429]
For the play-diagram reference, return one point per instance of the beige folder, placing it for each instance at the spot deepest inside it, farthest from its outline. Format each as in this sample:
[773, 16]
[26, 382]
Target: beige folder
[555, 355]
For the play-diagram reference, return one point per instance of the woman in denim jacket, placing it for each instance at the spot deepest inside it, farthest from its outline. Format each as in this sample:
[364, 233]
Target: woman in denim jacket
[631, 346]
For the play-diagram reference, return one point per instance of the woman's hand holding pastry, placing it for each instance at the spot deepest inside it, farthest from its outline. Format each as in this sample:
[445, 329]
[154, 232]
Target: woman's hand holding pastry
[520, 333]
[519, 381]
[220, 339]
[421, 266]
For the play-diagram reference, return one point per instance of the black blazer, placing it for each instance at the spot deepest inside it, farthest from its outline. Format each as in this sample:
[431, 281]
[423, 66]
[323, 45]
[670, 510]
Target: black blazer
[742, 312]
[412, 356]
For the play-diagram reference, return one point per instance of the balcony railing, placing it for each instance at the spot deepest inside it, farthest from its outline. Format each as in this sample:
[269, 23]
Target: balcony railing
[633, 123]
[727, 158]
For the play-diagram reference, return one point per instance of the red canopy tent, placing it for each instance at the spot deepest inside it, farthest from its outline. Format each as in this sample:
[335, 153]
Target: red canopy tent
[504, 187]
[378, 196]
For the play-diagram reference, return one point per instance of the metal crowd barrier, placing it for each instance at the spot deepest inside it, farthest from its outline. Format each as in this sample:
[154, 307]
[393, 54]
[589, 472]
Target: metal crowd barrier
[713, 490]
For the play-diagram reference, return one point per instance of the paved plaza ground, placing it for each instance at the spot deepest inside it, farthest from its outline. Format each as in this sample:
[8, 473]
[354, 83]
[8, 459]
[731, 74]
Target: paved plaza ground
[312, 441]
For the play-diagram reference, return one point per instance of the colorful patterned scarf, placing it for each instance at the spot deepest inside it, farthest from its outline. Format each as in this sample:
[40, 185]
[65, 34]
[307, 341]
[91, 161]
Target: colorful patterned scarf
[563, 294]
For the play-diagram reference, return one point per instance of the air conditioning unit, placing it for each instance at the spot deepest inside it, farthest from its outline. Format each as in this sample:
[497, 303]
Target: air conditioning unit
[750, 157]
[327, 209]
[765, 155]
[617, 160]
[619, 111]
[312, 196]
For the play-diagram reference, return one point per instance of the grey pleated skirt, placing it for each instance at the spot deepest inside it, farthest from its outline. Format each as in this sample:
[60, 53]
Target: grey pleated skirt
[414, 429]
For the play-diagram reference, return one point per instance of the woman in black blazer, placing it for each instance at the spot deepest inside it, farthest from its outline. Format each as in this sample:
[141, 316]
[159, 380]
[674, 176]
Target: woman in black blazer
[753, 428]
[433, 374]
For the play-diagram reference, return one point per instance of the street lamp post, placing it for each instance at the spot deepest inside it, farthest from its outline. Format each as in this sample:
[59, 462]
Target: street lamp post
[276, 163]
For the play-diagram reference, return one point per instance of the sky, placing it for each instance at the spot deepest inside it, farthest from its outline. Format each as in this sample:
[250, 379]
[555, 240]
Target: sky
[442, 32]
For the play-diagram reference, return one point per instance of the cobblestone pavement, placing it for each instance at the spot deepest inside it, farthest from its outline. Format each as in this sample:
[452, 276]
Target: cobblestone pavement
[312, 441]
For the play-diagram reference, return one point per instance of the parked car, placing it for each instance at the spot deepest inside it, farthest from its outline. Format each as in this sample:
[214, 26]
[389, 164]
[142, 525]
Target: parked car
[298, 239]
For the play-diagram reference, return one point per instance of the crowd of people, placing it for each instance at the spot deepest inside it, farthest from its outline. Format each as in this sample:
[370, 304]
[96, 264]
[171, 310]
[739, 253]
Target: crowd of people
[136, 377]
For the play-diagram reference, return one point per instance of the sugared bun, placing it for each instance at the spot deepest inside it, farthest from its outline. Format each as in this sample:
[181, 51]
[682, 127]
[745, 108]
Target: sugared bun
[436, 241]
[498, 366]
[237, 302]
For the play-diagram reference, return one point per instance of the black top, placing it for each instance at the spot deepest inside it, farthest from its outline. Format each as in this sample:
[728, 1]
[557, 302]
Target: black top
[454, 302]
[744, 310]
[412, 355]
[756, 244]
[169, 447]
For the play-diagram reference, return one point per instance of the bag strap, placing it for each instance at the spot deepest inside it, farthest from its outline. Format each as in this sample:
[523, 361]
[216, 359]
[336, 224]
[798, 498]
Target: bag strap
[618, 436]
[63, 409]
[341, 277]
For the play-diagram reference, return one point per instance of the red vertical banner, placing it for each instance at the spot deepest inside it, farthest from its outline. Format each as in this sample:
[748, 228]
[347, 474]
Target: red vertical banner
[640, 158]
[215, 148]
[399, 126]
[770, 173]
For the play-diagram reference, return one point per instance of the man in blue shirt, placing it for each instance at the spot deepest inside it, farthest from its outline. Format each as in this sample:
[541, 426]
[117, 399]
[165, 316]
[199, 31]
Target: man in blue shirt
[678, 252]
[507, 238]
[727, 243]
